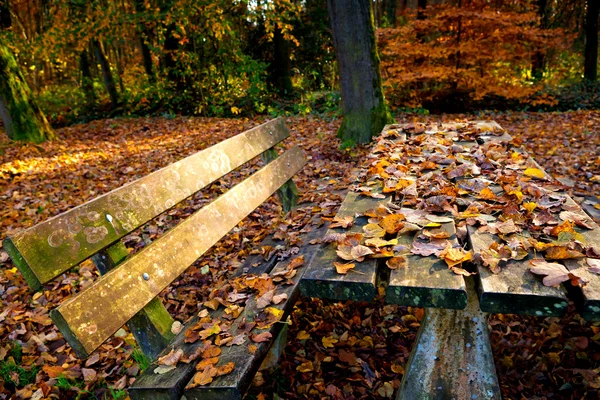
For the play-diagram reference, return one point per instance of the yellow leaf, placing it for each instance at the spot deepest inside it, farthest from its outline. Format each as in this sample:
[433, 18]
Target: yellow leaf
[328, 342]
[235, 110]
[305, 367]
[303, 335]
[534, 173]
[342, 268]
[530, 206]
[373, 230]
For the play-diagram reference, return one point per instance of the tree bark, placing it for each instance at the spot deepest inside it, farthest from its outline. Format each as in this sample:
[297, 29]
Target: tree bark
[591, 41]
[282, 67]
[23, 119]
[87, 82]
[363, 103]
[109, 81]
[145, 36]
[538, 63]
[5, 21]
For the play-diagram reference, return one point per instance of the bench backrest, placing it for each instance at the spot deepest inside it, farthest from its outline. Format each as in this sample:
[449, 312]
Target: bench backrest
[92, 316]
[45, 251]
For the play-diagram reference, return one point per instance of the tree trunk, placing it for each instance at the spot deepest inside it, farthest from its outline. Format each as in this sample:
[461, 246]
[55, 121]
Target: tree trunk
[538, 63]
[390, 12]
[363, 104]
[87, 83]
[421, 6]
[145, 36]
[591, 41]
[109, 82]
[5, 21]
[282, 67]
[23, 119]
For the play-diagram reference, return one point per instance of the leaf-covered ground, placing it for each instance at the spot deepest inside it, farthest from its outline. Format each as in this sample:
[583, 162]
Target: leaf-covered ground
[335, 350]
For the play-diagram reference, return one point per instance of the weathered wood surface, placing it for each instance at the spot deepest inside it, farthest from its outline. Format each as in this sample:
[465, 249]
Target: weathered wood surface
[171, 384]
[589, 206]
[321, 278]
[452, 357]
[74, 236]
[151, 326]
[514, 290]
[427, 281]
[92, 316]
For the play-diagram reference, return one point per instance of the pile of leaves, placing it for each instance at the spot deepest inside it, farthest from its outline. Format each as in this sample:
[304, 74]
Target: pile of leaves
[335, 350]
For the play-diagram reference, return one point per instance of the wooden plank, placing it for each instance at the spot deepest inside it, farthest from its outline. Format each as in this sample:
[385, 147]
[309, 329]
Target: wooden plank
[171, 384]
[322, 280]
[514, 290]
[427, 281]
[151, 326]
[452, 356]
[92, 316]
[77, 234]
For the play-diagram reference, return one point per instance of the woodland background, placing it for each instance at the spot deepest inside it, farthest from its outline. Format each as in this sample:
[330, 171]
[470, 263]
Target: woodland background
[133, 85]
[91, 59]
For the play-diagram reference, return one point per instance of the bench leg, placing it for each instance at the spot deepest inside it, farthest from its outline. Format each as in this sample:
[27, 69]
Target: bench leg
[452, 356]
[151, 326]
[276, 350]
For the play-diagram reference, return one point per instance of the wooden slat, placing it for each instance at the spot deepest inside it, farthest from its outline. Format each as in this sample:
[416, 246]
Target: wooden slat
[427, 281]
[514, 290]
[322, 280]
[151, 326]
[88, 319]
[452, 357]
[170, 385]
[50, 248]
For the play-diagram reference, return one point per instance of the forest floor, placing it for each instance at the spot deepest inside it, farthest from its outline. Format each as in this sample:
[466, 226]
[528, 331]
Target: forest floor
[553, 358]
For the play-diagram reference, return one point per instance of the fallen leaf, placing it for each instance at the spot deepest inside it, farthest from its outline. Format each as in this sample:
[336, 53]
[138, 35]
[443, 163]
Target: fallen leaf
[172, 358]
[261, 337]
[342, 268]
[397, 262]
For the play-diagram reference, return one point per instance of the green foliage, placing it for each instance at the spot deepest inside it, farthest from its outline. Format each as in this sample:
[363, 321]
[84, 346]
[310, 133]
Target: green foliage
[13, 373]
[142, 360]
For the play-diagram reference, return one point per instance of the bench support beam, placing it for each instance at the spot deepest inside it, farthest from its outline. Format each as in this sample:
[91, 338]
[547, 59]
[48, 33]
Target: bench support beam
[288, 193]
[151, 327]
[452, 356]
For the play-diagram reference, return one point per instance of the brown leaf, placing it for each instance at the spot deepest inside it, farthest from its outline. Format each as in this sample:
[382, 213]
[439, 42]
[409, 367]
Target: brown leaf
[172, 358]
[342, 268]
[261, 337]
[397, 262]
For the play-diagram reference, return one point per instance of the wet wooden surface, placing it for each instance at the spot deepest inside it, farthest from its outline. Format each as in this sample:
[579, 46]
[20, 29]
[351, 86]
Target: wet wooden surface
[322, 280]
[451, 357]
[76, 235]
[514, 290]
[93, 315]
[427, 281]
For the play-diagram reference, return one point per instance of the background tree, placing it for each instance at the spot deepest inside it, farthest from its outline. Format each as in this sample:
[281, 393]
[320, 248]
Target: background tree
[20, 114]
[591, 40]
[22, 118]
[363, 103]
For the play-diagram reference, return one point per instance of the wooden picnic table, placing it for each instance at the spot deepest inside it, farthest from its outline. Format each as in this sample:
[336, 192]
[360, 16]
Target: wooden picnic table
[452, 354]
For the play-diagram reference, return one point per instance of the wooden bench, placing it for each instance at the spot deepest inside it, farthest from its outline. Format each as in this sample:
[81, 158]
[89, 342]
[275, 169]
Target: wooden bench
[452, 355]
[128, 288]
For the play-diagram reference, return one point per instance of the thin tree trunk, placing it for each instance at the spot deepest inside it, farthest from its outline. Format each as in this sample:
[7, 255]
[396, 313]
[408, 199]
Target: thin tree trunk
[23, 119]
[109, 82]
[87, 82]
[5, 21]
[591, 41]
[538, 63]
[282, 67]
[363, 104]
[145, 36]
[390, 12]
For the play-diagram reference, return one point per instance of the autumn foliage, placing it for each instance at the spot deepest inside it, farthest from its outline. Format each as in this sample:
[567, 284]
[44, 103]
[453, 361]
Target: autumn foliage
[475, 53]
